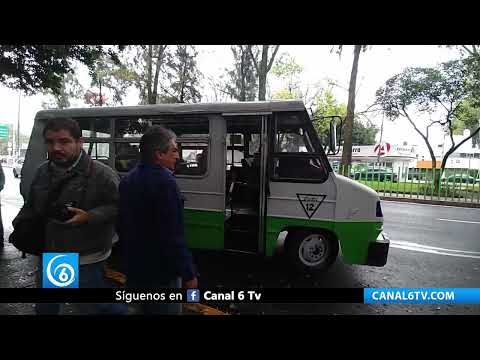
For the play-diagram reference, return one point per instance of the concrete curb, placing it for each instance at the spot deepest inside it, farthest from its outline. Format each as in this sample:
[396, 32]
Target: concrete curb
[432, 202]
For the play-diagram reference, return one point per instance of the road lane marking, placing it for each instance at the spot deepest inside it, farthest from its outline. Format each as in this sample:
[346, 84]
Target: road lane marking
[406, 245]
[412, 244]
[461, 221]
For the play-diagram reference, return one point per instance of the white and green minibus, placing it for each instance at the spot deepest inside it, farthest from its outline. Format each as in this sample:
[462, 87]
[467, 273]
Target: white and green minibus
[254, 176]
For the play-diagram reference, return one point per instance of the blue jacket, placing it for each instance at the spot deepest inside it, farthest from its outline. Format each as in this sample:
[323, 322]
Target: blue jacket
[151, 227]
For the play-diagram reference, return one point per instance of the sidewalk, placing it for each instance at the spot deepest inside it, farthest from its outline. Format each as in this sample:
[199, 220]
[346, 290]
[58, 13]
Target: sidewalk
[459, 202]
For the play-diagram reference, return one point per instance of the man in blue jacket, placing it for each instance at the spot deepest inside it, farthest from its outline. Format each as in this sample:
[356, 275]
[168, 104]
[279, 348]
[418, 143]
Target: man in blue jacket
[151, 221]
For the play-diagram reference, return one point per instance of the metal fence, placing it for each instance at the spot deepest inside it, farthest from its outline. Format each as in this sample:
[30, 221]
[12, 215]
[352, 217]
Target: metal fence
[461, 185]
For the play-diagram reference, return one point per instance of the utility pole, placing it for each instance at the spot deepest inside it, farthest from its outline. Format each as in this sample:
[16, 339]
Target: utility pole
[381, 139]
[18, 125]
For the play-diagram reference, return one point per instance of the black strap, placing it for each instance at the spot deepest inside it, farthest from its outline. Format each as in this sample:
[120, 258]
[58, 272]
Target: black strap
[89, 173]
[55, 191]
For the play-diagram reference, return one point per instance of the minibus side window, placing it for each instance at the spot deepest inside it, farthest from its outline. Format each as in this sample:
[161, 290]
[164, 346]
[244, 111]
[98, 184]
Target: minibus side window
[126, 155]
[294, 157]
[193, 158]
[94, 127]
[98, 151]
[235, 150]
[128, 128]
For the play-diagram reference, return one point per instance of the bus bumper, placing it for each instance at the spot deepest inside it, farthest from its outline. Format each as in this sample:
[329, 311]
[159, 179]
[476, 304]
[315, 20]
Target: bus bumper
[378, 251]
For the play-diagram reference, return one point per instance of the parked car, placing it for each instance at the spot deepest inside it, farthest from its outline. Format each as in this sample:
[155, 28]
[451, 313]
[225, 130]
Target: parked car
[462, 178]
[376, 175]
[17, 167]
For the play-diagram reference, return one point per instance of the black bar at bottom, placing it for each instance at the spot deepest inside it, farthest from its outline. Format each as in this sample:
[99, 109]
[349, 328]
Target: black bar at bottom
[223, 295]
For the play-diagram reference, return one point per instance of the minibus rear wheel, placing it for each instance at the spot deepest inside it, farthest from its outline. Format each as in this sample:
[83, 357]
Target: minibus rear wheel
[311, 251]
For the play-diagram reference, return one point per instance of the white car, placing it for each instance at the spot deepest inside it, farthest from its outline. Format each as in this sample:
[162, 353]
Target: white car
[17, 167]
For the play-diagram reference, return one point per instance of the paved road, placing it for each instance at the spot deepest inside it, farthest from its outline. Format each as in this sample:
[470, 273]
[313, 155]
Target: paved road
[446, 227]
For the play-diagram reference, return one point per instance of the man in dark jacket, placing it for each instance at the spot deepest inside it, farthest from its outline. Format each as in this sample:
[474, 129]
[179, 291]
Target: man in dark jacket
[82, 214]
[151, 221]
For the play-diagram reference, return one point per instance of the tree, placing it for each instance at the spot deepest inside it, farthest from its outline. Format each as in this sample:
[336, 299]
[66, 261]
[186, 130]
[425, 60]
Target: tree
[32, 68]
[471, 54]
[363, 134]
[438, 92]
[288, 70]
[183, 77]
[467, 117]
[262, 66]
[242, 82]
[112, 75]
[348, 129]
[149, 66]
[326, 105]
[218, 86]
[70, 88]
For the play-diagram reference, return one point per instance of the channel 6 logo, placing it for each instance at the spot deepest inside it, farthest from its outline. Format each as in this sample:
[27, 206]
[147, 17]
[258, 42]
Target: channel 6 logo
[60, 270]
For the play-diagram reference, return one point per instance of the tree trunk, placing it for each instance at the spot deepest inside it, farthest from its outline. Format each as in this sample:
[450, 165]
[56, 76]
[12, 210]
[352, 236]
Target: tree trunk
[263, 68]
[161, 50]
[100, 92]
[149, 74]
[262, 74]
[347, 143]
[437, 175]
[244, 57]
[182, 82]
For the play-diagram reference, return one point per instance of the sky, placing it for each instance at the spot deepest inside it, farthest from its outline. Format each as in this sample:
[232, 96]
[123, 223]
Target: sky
[376, 65]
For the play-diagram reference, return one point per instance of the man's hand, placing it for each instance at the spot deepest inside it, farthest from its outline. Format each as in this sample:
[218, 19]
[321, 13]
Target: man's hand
[80, 217]
[191, 284]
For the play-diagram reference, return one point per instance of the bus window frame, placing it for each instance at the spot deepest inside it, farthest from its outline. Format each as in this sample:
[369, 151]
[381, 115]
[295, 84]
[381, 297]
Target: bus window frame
[195, 140]
[312, 135]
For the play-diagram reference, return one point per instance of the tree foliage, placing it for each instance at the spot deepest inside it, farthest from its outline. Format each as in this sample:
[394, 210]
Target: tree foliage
[70, 88]
[440, 92]
[182, 77]
[148, 66]
[112, 75]
[327, 105]
[241, 81]
[33, 68]
[288, 70]
[467, 117]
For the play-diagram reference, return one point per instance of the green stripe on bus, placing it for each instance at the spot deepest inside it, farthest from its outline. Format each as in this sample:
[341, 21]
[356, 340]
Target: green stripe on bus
[204, 229]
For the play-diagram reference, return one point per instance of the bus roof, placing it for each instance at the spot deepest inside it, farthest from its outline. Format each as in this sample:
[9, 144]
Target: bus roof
[205, 108]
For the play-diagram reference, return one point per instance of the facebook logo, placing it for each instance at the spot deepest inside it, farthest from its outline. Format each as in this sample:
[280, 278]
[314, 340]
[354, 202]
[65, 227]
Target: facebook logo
[193, 295]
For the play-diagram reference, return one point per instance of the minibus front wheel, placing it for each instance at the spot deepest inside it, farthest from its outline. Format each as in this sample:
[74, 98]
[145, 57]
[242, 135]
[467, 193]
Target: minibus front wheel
[311, 250]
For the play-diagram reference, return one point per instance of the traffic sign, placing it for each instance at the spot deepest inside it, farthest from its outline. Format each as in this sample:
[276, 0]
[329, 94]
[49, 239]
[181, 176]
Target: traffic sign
[4, 132]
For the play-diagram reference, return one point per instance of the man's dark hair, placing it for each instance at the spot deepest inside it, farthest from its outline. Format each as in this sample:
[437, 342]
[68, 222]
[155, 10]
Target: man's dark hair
[64, 124]
[155, 138]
